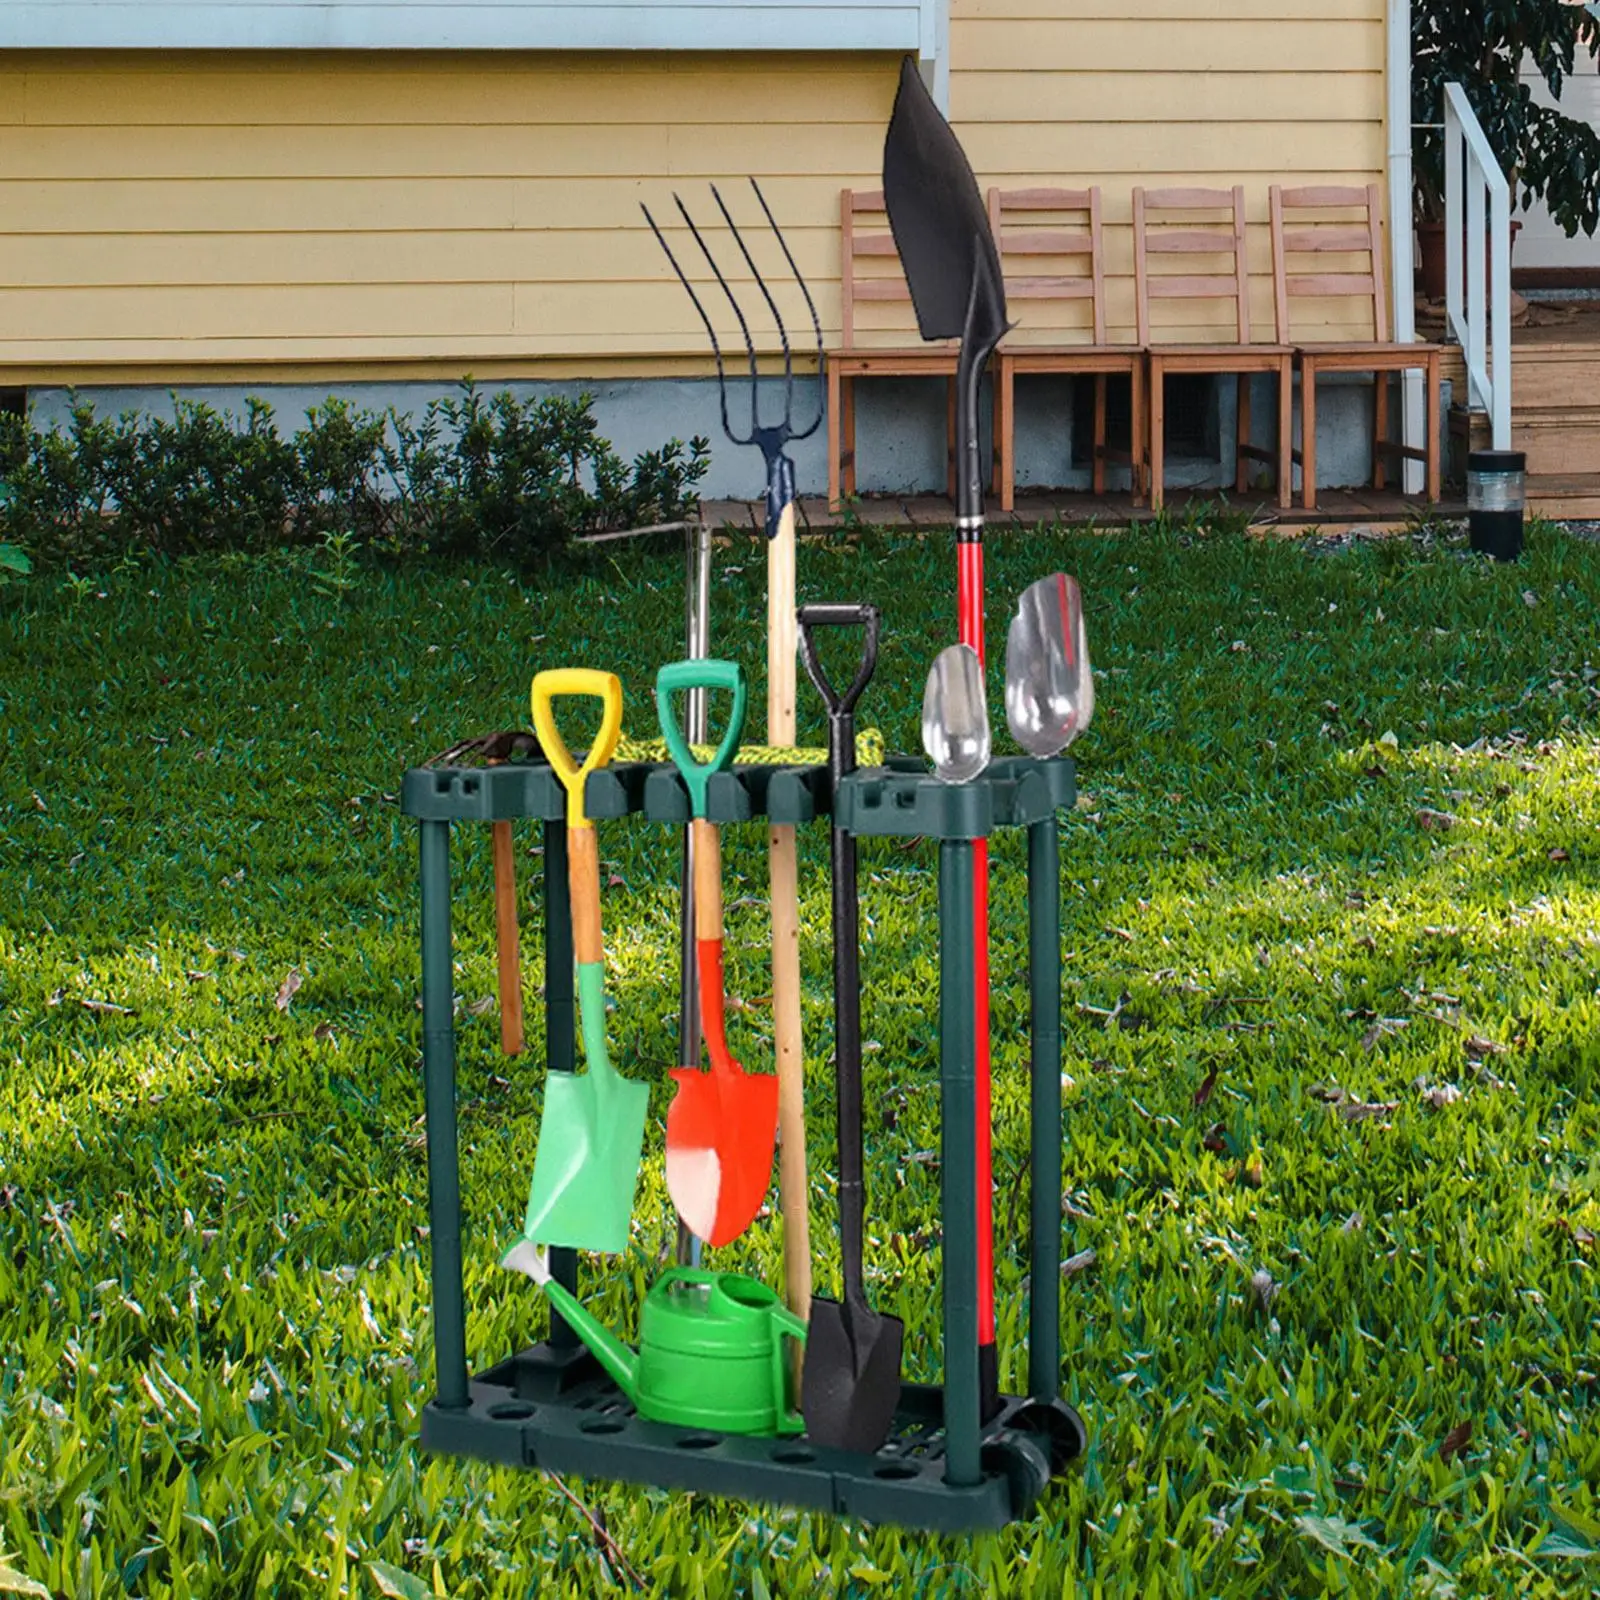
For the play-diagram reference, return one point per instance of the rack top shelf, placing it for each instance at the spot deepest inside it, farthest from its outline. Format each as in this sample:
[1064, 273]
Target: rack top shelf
[899, 799]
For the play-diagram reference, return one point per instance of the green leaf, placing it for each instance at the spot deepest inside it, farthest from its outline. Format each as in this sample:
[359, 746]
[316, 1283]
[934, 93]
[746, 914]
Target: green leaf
[1335, 1534]
[14, 559]
[1563, 1548]
[397, 1582]
[1585, 1529]
[14, 1582]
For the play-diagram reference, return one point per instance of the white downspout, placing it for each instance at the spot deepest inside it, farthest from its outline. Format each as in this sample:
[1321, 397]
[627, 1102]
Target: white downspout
[1402, 274]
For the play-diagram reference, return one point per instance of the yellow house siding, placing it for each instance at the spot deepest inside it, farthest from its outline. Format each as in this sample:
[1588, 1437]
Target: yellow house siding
[166, 217]
[170, 214]
[1123, 92]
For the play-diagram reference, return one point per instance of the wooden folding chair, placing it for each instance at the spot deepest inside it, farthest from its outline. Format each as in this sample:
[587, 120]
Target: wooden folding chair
[1317, 223]
[1183, 222]
[865, 255]
[1030, 223]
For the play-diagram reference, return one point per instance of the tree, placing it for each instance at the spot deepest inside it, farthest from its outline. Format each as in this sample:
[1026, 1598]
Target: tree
[1482, 45]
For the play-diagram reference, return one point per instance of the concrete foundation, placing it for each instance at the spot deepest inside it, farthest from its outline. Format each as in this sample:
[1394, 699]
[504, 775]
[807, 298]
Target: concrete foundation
[900, 426]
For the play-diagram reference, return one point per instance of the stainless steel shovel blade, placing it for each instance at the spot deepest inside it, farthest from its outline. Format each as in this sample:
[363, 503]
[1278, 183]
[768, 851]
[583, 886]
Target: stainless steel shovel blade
[955, 716]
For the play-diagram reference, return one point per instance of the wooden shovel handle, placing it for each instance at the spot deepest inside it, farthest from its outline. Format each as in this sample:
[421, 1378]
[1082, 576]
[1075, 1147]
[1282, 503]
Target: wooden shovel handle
[583, 872]
[707, 880]
[784, 882]
[507, 940]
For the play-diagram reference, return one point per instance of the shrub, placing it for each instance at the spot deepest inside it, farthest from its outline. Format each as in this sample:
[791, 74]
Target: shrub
[475, 475]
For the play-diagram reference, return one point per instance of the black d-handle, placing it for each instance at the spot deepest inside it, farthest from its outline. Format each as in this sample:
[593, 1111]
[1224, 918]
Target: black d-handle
[839, 615]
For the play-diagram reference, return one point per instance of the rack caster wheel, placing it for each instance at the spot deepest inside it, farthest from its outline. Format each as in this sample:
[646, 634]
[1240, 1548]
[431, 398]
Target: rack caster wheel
[1055, 1428]
[1025, 1465]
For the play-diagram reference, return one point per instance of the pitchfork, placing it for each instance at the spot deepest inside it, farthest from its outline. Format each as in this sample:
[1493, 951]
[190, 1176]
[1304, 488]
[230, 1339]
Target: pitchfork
[772, 440]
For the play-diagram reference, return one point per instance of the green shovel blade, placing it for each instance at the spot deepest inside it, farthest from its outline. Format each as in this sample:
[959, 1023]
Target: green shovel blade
[590, 1139]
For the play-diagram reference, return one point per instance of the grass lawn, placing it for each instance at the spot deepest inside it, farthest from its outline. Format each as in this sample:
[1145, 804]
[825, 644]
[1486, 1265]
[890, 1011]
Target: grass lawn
[1333, 1037]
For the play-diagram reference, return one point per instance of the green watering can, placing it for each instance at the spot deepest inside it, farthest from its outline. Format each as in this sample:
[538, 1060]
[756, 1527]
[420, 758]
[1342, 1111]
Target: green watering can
[711, 1350]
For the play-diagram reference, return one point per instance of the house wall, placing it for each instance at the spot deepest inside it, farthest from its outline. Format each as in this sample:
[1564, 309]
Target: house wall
[262, 219]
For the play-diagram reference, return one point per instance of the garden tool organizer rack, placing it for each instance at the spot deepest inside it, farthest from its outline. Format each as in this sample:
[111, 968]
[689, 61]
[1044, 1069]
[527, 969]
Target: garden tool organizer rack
[945, 1467]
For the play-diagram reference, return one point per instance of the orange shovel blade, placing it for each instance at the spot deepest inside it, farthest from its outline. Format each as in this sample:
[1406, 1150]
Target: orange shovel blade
[722, 1127]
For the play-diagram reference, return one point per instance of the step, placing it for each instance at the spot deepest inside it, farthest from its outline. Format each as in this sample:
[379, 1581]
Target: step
[1558, 442]
[1553, 376]
[1574, 497]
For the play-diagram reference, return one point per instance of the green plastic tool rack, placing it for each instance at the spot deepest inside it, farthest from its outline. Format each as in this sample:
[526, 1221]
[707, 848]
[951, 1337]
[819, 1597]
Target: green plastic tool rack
[945, 1467]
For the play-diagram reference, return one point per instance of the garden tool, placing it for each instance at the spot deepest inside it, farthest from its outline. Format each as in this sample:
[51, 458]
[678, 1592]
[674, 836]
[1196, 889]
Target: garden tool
[722, 1124]
[773, 440]
[712, 1349]
[941, 231]
[697, 628]
[850, 1386]
[1049, 686]
[955, 716]
[592, 1130]
[496, 748]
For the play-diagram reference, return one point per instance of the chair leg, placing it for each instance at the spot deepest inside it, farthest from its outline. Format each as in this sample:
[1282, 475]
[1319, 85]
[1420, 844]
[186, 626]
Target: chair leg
[835, 437]
[1098, 469]
[1005, 427]
[1285, 433]
[1241, 462]
[848, 420]
[1308, 433]
[950, 439]
[1158, 444]
[1380, 429]
[1137, 435]
[1432, 411]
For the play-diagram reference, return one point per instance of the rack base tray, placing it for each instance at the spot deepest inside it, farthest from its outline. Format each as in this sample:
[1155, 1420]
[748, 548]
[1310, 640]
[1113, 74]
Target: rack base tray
[556, 1409]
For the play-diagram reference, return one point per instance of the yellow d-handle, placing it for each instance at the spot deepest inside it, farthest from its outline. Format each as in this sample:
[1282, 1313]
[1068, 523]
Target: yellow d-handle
[605, 687]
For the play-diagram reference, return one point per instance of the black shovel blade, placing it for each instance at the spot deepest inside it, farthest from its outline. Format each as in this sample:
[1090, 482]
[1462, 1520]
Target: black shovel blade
[850, 1384]
[939, 222]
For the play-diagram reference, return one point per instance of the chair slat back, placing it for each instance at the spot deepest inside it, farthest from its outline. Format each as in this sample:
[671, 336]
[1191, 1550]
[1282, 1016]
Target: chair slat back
[865, 238]
[1190, 222]
[1322, 220]
[1063, 224]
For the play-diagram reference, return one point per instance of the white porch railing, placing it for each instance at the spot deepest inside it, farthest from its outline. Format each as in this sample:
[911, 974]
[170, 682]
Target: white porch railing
[1476, 193]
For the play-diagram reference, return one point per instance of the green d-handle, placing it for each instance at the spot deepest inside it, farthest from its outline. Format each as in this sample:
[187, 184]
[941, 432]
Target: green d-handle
[685, 675]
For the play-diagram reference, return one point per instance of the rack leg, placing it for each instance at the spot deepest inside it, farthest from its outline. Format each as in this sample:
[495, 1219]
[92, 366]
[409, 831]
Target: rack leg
[958, 1123]
[439, 1078]
[560, 1022]
[1044, 984]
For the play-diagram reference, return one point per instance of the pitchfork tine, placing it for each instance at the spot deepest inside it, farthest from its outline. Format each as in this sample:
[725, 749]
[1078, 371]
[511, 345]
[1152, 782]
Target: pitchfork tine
[811, 306]
[744, 327]
[711, 333]
[772, 306]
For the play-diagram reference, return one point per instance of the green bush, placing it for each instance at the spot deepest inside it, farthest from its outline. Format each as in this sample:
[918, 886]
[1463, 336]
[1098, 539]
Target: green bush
[474, 475]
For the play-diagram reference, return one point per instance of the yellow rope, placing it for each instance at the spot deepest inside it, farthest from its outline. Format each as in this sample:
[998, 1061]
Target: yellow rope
[869, 752]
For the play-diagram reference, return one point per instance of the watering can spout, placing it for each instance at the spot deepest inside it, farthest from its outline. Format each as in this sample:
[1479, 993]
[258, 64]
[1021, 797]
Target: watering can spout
[602, 1344]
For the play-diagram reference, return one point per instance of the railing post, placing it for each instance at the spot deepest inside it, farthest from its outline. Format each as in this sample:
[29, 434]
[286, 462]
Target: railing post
[1453, 192]
[1500, 304]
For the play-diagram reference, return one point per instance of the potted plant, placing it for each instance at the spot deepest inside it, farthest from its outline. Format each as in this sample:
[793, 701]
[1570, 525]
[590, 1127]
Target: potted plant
[1483, 45]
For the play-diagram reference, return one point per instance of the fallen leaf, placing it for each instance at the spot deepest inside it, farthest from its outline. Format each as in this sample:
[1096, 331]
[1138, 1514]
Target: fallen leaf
[1456, 1441]
[323, 1032]
[1207, 1084]
[1440, 1094]
[480, 1007]
[1335, 1534]
[1376, 770]
[1371, 1036]
[1263, 1288]
[288, 988]
[1253, 1174]
[1437, 821]
[1354, 1223]
[1389, 738]
[1477, 1048]
[1559, 854]
[1216, 1139]
[1081, 1262]
[1367, 1110]
[106, 1008]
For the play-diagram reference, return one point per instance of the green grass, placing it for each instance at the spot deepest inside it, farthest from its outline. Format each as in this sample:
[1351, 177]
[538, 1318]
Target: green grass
[213, 1264]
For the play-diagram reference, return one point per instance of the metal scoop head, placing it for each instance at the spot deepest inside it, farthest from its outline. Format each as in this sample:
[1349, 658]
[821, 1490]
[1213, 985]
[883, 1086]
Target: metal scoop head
[955, 715]
[1049, 687]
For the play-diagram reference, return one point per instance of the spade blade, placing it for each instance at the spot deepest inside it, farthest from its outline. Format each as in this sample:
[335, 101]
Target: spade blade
[940, 226]
[850, 1385]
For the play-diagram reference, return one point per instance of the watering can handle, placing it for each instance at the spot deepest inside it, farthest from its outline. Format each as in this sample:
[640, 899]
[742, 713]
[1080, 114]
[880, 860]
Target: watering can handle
[685, 675]
[813, 617]
[786, 1327]
[605, 687]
